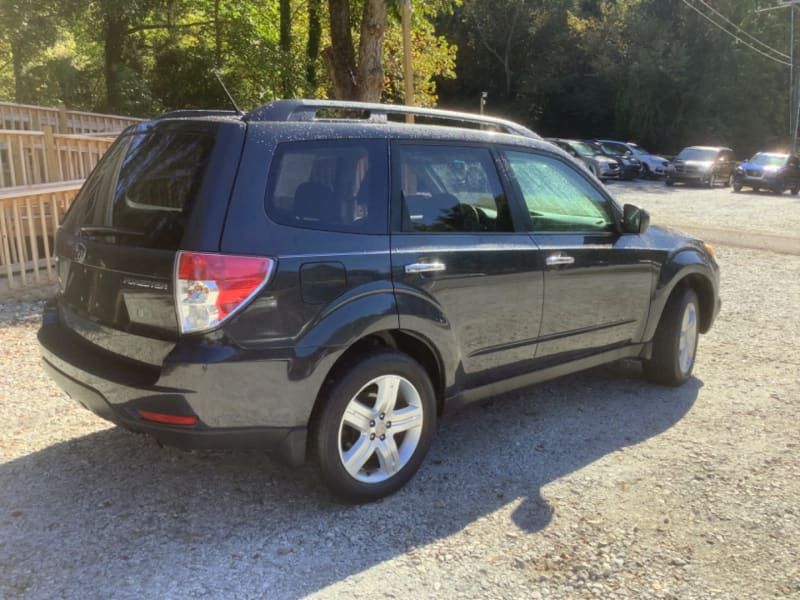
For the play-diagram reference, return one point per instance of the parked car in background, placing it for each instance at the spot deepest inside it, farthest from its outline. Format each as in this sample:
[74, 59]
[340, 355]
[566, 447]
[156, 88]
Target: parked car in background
[702, 165]
[327, 287]
[774, 171]
[601, 166]
[631, 166]
[652, 164]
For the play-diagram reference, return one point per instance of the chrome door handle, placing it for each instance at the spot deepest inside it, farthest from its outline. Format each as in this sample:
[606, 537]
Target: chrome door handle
[559, 259]
[428, 267]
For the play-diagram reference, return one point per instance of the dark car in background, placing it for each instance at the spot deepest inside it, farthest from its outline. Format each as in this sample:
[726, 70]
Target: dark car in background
[774, 171]
[702, 165]
[601, 166]
[328, 287]
[631, 166]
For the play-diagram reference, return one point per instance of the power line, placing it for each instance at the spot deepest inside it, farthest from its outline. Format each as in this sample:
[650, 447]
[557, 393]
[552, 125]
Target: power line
[743, 32]
[733, 35]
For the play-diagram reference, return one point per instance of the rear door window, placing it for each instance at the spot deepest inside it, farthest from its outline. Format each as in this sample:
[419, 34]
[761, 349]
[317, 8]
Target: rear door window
[332, 185]
[447, 188]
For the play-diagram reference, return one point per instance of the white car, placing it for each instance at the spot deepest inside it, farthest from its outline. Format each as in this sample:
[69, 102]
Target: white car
[652, 164]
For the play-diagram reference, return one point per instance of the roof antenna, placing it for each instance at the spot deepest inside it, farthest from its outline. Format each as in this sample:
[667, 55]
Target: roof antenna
[227, 93]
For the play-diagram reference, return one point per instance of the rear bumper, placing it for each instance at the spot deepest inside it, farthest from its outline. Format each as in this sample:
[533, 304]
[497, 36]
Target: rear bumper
[288, 443]
[240, 400]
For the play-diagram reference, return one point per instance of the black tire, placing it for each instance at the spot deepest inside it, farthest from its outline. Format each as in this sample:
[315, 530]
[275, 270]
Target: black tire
[333, 438]
[646, 172]
[668, 182]
[728, 182]
[668, 365]
[737, 187]
[779, 187]
[794, 190]
[712, 181]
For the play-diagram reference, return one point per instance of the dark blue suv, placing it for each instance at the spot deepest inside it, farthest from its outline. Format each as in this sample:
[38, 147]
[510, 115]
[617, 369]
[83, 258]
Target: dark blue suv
[774, 171]
[316, 279]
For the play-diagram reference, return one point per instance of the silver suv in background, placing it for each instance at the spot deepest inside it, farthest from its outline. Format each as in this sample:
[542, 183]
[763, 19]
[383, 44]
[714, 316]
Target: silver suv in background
[652, 164]
[601, 166]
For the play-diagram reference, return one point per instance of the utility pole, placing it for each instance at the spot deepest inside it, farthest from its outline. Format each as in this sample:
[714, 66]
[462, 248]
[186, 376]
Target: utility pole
[408, 71]
[794, 96]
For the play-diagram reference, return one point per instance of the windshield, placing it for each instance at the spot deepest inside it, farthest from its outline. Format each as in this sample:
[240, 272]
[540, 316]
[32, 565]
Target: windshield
[638, 150]
[614, 149]
[769, 160]
[700, 154]
[582, 148]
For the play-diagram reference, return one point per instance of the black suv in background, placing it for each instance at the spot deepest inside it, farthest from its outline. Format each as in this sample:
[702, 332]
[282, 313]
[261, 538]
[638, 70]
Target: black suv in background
[326, 287]
[702, 165]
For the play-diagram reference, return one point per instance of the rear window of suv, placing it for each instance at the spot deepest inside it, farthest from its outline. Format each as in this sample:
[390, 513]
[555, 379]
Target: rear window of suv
[142, 191]
[333, 185]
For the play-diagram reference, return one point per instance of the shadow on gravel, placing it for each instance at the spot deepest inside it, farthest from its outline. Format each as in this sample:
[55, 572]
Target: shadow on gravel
[111, 514]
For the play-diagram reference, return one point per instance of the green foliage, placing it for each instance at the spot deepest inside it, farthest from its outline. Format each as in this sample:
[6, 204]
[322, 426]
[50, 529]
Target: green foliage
[650, 70]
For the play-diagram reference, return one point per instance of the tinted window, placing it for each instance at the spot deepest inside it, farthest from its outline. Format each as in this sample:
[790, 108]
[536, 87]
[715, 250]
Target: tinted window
[331, 185]
[557, 197]
[145, 186]
[450, 189]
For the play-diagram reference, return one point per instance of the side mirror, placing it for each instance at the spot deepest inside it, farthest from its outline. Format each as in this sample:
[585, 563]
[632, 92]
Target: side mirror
[634, 219]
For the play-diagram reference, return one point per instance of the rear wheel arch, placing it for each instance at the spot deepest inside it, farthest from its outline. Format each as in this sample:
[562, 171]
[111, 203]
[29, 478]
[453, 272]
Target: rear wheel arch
[403, 341]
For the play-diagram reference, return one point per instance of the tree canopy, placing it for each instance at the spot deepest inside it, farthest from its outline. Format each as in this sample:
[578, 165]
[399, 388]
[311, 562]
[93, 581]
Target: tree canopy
[656, 71]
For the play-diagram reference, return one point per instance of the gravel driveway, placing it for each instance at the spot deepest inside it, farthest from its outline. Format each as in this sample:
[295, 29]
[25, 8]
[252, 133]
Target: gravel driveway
[592, 486]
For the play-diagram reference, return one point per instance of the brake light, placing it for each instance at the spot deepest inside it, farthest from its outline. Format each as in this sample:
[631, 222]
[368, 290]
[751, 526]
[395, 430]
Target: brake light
[186, 421]
[209, 288]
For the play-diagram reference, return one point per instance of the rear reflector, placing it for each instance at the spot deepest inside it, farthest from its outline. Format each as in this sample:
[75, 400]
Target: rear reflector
[209, 288]
[167, 419]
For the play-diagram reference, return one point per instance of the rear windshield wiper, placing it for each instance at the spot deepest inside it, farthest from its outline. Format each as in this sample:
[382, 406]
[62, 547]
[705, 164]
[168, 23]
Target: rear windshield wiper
[99, 230]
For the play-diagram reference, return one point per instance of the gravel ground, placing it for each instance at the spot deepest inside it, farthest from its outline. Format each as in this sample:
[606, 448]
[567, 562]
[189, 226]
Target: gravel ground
[592, 486]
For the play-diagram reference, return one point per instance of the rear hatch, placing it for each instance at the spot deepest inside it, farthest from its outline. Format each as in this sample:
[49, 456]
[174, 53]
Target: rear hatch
[163, 186]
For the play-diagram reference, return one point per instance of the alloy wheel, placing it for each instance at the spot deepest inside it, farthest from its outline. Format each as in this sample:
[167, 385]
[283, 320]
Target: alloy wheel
[688, 338]
[380, 428]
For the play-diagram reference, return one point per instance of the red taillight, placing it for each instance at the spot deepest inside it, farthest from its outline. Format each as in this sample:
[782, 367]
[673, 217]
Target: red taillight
[210, 287]
[167, 419]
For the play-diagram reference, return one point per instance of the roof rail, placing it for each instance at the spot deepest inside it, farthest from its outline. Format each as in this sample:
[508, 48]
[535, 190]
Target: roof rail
[306, 110]
[177, 114]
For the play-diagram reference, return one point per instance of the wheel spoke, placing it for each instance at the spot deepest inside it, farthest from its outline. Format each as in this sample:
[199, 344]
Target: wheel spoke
[358, 416]
[406, 418]
[359, 454]
[389, 456]
[388, 388]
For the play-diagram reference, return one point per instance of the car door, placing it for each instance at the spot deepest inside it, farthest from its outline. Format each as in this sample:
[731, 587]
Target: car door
[597, 284]
[463, 272]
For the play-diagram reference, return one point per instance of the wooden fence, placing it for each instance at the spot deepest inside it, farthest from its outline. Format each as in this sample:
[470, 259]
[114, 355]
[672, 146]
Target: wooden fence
[35, 157]
[24, 117]
[29, 218]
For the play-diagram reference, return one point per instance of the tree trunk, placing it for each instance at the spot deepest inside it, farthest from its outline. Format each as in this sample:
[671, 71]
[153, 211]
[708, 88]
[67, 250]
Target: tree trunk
[340, 56]
[285, 43]
[16, 61]
[114, 31]
[312, 48]
[217, 37]
[370, 51]
[349, 81]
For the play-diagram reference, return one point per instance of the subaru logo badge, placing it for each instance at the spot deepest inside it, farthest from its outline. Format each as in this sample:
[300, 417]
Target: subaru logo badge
[80, 252]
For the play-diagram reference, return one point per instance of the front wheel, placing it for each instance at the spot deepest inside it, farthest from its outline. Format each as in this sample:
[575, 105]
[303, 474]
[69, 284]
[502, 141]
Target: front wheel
[712, 180]
[737, 187]
[668, 182]
[375, 426]
[675, 341]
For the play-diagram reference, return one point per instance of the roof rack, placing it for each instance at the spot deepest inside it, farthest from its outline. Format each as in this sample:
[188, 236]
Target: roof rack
[306, 110]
